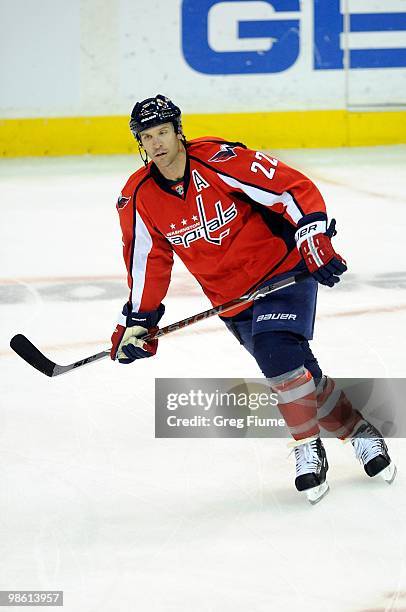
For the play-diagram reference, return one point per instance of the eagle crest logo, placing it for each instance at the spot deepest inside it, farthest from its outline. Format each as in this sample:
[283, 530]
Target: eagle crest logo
[225, 153]
[122, 201]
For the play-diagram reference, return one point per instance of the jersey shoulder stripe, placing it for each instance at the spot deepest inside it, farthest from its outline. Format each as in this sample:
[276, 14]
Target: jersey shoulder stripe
[245, 185]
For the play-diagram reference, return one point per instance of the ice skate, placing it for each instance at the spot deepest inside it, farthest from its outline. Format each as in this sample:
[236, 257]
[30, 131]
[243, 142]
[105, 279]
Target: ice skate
[372, 452]
[311, 469]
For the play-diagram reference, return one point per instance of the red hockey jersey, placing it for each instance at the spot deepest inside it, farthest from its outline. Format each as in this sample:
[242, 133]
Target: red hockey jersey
[232, 225]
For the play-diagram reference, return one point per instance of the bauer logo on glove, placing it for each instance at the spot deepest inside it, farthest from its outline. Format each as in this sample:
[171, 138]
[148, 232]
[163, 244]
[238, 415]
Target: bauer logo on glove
[313, 239]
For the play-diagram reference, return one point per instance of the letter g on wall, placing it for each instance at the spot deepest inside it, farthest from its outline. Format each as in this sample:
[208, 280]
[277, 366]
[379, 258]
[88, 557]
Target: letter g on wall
[218, 38]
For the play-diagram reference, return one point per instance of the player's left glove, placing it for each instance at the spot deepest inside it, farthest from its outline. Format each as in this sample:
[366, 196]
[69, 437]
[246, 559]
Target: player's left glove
[313, 239]
[127, 341]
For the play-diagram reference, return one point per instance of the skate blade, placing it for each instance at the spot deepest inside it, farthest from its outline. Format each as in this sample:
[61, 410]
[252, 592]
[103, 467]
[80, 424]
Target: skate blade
[316, 494]
[389, 473]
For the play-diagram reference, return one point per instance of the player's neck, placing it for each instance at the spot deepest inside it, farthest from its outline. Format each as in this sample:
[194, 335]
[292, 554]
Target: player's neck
[176, 169]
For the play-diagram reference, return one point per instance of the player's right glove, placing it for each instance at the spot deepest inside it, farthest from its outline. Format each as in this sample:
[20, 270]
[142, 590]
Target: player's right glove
[127, 342]
[313, 239]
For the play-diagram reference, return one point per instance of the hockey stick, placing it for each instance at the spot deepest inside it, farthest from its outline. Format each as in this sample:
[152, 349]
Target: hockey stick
[27, 351]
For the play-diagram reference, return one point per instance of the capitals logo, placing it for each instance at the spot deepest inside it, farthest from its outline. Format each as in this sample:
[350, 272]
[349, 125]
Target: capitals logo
[205, 227]
[225, 153]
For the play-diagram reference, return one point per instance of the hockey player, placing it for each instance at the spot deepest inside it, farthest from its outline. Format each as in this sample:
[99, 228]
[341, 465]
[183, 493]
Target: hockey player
[237, 218]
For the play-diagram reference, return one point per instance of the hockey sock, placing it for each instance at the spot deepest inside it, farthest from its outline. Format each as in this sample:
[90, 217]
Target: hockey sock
[335, 412]
[297, 402]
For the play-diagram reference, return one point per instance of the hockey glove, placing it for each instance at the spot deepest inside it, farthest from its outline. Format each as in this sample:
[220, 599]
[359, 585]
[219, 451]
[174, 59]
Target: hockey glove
[127, 342]
[313, 240]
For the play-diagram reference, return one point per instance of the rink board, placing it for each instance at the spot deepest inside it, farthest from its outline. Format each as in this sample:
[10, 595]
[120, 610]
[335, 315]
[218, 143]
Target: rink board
[106, 135]
[271, 74]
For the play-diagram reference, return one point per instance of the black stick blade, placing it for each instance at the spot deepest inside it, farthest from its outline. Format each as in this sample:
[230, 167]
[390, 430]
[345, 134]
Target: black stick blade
[27, 351]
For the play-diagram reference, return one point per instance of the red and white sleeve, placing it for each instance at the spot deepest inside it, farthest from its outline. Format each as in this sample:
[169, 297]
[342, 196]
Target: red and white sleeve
[148, 258]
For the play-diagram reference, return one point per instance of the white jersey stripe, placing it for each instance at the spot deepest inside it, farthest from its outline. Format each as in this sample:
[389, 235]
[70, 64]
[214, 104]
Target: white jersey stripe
[122, 320]
[142, 248]
[264, 197]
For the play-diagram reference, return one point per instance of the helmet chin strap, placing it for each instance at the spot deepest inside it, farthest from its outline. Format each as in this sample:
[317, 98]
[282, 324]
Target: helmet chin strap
[143, 153]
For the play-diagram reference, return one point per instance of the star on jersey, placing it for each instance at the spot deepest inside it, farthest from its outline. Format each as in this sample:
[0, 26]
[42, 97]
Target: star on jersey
[184, 221]
[173, 226]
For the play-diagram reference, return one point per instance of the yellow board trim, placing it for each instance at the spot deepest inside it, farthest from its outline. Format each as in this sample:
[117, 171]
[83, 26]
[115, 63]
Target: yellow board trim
[275, 130]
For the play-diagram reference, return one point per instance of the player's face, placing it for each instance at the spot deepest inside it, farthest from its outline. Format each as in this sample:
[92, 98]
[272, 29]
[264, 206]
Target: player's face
[162, 144]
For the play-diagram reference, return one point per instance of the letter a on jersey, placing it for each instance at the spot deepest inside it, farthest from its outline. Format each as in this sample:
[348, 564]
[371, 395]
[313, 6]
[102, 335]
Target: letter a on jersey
[199, 181]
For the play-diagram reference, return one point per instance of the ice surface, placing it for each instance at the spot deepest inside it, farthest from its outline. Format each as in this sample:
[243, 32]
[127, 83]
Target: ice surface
[92, 504]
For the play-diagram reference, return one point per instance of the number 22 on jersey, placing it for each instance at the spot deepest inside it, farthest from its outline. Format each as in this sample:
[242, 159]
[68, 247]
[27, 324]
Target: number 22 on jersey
[255, 166]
